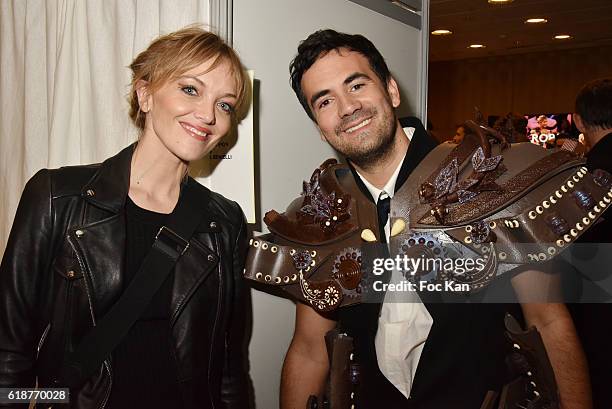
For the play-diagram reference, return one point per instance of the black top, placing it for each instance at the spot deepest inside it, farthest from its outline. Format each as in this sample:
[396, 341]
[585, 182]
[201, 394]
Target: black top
[464, 353]
[592, 320]
[144, 368]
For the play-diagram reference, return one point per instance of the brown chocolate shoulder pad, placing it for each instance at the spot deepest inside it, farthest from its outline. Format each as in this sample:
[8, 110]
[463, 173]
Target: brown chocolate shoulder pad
[323, 212]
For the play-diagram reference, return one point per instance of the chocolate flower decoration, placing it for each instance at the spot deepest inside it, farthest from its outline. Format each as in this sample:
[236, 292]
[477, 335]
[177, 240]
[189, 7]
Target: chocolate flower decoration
[302, 259]
[480, 163]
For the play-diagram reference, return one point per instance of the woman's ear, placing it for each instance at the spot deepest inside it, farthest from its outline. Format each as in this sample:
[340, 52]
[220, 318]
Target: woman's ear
[144, 96]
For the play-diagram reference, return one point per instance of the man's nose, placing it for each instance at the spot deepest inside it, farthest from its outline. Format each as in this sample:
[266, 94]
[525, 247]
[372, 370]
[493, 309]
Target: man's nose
[348, 105]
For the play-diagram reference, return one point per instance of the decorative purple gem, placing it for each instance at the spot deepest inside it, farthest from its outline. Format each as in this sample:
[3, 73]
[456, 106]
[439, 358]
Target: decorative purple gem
[602, 178]
[584, 199]
[481, 232]
[557, 224]
[302, 259]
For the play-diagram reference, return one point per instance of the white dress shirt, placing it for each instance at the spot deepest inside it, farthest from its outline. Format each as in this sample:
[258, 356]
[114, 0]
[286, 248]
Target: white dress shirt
[404, 322]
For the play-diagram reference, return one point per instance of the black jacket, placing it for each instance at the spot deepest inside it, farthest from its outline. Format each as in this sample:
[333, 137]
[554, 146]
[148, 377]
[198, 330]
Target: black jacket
[55, 283]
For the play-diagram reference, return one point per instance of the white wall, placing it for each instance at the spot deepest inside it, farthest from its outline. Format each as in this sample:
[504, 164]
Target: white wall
[266, 34]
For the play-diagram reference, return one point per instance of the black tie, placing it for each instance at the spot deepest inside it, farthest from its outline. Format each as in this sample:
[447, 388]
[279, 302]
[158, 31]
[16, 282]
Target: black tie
[382, 208]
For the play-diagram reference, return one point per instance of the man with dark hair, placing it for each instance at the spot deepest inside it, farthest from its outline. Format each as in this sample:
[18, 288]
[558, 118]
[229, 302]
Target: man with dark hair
[593, 117]
[449, 355]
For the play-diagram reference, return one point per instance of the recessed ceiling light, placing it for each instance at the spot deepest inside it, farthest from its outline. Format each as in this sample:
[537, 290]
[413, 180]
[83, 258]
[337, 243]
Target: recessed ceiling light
[441, 32]
[536, 21]
[562, 37]
[477, 46]
[500, 1]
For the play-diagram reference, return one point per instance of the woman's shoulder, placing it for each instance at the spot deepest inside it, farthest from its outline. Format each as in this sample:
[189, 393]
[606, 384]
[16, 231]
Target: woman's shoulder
[219, 206]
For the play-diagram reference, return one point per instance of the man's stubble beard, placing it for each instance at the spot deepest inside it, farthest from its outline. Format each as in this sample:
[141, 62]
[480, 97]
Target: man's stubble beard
[379, 152]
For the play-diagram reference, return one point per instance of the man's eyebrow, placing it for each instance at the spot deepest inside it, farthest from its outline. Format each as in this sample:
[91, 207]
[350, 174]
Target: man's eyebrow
[354, 76]
[348, 80]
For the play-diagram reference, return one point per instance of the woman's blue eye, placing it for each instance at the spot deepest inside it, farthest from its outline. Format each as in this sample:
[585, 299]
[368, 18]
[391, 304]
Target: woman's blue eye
[226, 107]
[190, 90]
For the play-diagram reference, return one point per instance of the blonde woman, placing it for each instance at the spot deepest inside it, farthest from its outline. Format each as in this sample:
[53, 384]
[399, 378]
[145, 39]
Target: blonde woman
[89, 242]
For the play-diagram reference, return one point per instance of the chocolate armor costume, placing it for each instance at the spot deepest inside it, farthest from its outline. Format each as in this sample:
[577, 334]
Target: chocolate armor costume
[510, 206]
[490, 201]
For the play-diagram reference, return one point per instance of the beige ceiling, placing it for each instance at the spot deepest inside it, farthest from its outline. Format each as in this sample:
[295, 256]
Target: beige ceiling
[502, 29]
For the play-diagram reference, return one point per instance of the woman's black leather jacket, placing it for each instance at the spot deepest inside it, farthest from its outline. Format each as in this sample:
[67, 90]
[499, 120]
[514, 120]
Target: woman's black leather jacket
[63, 269]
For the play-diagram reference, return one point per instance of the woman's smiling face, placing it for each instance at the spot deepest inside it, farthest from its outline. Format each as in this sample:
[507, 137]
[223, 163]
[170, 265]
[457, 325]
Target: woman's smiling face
[190, 114]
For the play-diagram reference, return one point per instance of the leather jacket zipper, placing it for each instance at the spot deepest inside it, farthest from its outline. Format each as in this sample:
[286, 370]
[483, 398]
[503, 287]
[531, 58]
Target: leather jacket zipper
[219, 303]
[84, 271]
[42, 339]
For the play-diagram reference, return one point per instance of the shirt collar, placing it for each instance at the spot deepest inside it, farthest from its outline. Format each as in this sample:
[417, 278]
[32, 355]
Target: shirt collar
[389, 187]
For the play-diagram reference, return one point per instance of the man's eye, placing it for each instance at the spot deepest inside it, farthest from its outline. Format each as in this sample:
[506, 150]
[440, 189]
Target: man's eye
[225, 107]
[323, 103]
[189, 90]
[357, 87]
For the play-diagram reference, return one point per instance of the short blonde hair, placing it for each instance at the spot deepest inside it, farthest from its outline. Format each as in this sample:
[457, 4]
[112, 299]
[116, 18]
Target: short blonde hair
[173, 54]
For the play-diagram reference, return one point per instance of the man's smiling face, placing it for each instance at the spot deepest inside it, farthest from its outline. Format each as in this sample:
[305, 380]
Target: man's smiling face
[353, 109]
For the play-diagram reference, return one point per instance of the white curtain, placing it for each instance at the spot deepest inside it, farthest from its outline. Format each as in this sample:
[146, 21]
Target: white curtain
[64, 81]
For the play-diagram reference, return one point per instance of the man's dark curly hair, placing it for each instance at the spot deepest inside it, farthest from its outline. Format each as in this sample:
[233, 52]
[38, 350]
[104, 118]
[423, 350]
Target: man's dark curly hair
[321, 42]
[594, 103]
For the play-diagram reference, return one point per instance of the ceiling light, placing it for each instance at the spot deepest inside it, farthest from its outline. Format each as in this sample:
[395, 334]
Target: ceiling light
[500, 1]
[477, 46]
[441, 32]
[536, 21]
[562, 37]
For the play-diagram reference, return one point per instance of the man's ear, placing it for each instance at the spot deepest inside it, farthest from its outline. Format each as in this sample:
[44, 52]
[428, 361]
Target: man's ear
[144, 96]
[393, 91]
[579, 123]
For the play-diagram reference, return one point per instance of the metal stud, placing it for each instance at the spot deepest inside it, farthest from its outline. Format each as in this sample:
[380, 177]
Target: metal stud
[258, 276]
[539, 210]
[575, 179]
[467, 239]
[79, 233]
[584, 169]
[597, 209]
[560, 243]
[264, 246]
[516, 346]
[573, 232]
[256, 243]
[313, 253]
[291, 252]
[563, 189]
[502, 255]
[570, 184]
[213, 225]
[273, 249]
[70, 274]
[468, 228]
[552, 250]
[579, 226]
[90, 192]
[545, 204]
[268, 277]
[210, 258]
[607, 199]
[602, 204]
[552, 200]
[251, 242]
[567, 238]
[492, 224]
[559, 195]
[532, 215]
[313, 263]
[286, 279]
[277, 280]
